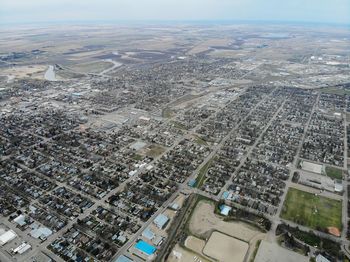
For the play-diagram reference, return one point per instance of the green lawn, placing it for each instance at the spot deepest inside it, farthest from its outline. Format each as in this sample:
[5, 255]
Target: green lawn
[179, 125]
[199, 140]
[201, 174]
[335, 90]
[167, 113]
[310, 210]
[334, 173]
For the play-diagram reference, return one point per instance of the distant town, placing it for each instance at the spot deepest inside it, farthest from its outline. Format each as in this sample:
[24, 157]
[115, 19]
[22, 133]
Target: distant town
[174, 143]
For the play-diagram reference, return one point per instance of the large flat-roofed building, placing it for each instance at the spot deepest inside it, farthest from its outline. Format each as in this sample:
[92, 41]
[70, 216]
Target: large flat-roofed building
[7, 237]
[161, 220]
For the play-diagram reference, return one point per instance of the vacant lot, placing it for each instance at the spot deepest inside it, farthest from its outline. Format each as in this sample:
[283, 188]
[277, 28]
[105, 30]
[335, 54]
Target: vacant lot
[92, 67]
[225, 248]
[180, 254]
[204, 221]
[334, 173]
[312, 210]
[195, 244]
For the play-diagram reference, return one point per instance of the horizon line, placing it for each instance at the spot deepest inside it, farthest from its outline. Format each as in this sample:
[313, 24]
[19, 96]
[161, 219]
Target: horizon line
[179, 21]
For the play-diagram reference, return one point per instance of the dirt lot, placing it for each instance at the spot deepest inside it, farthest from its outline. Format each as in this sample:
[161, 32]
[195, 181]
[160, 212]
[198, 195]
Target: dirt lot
[195, 244]
[272, 252]
[180, 254]
[225, 248]
[204, 220]
[34, 71]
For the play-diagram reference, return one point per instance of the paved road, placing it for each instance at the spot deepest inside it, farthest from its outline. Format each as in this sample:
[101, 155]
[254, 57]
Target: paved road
[250, 150]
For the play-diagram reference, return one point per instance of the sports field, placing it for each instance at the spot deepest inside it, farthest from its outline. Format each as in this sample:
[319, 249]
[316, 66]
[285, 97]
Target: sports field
[312, 210]
[334, 173]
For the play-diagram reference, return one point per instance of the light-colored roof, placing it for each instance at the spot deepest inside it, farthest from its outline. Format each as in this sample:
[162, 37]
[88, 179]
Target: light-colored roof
[224, 210]
[123, 258]
[22, 248]
[161, 220]
[20, 220]
[7, 237]
[147, 233]
[41, 232]
[321, 258]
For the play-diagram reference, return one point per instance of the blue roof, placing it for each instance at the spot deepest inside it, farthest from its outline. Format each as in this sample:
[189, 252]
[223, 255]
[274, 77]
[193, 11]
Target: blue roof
[145, 247]
[225, 210]
[192, 183]
[123, 258]
[225, 194]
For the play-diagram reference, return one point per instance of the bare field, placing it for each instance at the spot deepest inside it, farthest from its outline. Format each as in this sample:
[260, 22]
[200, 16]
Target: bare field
[225, 248]
[204, 220]
[204, 46]
[180, 254]
[34, 71]
[195, 244]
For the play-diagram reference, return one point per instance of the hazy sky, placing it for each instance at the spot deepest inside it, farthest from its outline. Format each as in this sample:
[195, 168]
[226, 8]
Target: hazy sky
[23, 11]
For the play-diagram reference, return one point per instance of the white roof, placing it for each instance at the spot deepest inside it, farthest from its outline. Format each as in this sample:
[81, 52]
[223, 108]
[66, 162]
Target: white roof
[22, 248]
[338, 187]
[20, 220]
[321, 258]
[42, 232]
[7, 237]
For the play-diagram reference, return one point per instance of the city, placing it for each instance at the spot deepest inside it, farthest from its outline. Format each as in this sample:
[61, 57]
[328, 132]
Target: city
[174, 143]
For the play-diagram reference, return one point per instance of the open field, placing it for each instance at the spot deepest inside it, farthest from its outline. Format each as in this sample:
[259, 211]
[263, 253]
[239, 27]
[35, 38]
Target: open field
[312, 210]
[33, 71]
[335, 90]
[180, 254]
[334, 173]
[225, 248]
[201, 174]
[195, 244]
[154, 150]
[272, 252]
[203, 221]
[93, 67]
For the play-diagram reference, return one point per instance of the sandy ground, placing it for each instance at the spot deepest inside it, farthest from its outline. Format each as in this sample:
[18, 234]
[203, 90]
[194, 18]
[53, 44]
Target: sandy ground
[180, 254]
[225, 248]
[204, 220]
[35, 71]
[195, 244]
[180, 199]
[204, 46]
[272, 252]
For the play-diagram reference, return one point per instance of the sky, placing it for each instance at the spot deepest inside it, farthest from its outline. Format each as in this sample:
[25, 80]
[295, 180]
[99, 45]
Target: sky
[55, 11]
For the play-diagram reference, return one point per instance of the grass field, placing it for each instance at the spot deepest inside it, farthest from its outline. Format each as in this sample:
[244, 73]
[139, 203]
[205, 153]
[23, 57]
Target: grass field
[155, 150]
[167, 113]
[179, 125]
[201, 174]
[334, 90]
[310, 210]
[199, 140]
[334, 173]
